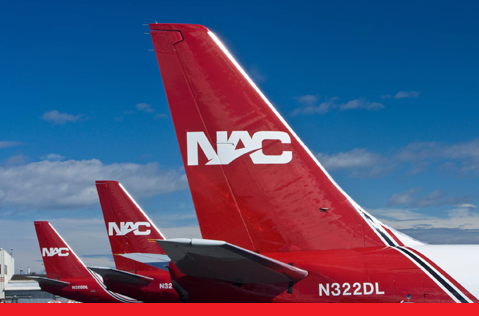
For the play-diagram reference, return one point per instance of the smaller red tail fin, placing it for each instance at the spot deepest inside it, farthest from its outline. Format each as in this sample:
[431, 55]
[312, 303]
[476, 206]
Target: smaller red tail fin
[59, 260]
[129, 229]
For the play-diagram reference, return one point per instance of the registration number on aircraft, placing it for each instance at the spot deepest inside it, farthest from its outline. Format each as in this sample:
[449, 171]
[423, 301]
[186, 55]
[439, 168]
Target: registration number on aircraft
[79, 287]
[336, 289]
[166, 286]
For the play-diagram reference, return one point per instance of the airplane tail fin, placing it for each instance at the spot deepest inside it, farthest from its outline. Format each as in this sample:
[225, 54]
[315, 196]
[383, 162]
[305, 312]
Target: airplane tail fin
[58, 258]
[253, 181]
[129, 229]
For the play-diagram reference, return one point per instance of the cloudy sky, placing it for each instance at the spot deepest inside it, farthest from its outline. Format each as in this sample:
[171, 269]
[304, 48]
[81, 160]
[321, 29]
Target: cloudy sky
[386, 96]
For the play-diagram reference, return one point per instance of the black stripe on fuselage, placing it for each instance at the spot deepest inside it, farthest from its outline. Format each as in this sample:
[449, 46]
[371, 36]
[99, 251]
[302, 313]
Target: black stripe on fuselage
[435, 275]
[380, 232]
[421, 262]
[112, 294]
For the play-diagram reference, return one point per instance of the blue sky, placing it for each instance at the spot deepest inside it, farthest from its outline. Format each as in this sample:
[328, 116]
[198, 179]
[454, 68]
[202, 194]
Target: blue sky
[385, 93]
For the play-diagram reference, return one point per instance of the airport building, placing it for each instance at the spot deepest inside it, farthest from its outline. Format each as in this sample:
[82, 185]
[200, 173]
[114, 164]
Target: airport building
[18, 288]
[7, 269]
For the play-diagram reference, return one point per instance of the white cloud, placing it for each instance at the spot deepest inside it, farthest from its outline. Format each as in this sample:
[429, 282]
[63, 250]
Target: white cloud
[71, 184]
[416, 197]
[394, 214]
[402, 95]
[359, 162]
[403, 198]
[417, 167]
[412, 198]
[405, 94]
[431, 199]
[463, 150]
[459, 218]
[315, 109]
[53, 157]
[360, 103]
[467, 205]
[16, 160]
[467, 153]
[145, 107]
[418, 155]
[310, 105]
[308, 99]
[8, 144]
[419, 151]
[256, 75]
[356, 158]
[463, 210]
[56, 117]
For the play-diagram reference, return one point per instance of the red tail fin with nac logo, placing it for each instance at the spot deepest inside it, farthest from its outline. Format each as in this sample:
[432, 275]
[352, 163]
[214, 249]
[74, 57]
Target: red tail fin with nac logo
[59, 260]
[67, 276]
[129, 229]
[254, 183]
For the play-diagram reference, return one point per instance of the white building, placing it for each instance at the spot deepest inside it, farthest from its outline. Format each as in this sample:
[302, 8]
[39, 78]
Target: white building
[7, 269]
[19, 288]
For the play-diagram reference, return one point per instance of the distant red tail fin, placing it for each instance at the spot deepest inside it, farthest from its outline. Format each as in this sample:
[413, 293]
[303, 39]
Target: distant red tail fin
[254, 183]
[59, 260]
[129, 228]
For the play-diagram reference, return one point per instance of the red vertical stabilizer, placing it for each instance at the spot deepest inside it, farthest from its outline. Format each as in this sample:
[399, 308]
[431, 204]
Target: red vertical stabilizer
[129, 229]
[254, 183]
[59, 260]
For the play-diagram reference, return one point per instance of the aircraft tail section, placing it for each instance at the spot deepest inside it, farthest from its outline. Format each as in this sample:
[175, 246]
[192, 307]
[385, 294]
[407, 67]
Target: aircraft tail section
[253, 181]
[130, 231]
[58, 258]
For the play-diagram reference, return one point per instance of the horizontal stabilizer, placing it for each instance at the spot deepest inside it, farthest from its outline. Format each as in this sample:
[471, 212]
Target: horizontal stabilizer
[223, 261]
[48, 281]
[121, 276]
[152, 259]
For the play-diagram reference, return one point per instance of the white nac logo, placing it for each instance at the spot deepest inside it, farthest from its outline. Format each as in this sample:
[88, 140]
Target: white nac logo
[127, 227]
[50, 252]
[227, 151]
